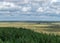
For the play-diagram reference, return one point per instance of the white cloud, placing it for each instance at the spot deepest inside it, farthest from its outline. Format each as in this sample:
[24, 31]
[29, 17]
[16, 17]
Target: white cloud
[53, 1]
[40, 9]
[43, 7]
[7, 5]
[26, 9]
[54, 8]
[57, 12]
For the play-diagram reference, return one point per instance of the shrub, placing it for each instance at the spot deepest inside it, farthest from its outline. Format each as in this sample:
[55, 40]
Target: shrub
[22, 35]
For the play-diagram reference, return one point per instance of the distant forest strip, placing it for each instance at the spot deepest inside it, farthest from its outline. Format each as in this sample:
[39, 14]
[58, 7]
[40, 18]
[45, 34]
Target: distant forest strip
[34, 21]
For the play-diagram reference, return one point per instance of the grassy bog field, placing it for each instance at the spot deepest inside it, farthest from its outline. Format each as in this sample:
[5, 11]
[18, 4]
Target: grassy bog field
[38, 27]
[26, 32]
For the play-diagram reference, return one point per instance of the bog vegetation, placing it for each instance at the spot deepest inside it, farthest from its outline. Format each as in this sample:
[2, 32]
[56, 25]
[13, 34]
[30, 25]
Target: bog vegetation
[22, 35]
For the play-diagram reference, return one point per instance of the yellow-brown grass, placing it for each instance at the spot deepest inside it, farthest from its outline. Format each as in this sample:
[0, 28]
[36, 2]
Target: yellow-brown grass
[32, 26]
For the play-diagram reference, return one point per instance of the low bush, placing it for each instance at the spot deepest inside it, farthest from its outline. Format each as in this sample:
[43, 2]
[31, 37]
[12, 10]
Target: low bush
[22, 35]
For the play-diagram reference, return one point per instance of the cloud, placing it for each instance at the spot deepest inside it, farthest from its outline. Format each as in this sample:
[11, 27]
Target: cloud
[25, 9]
[7, 5]
[40, 9]
[29, 10]
[38, 6]
[34, 7]
[18, 1]
[54, 8]
[54, 1]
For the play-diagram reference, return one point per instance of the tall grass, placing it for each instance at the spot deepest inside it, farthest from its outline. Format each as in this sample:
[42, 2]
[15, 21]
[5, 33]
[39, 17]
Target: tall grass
[22, 35]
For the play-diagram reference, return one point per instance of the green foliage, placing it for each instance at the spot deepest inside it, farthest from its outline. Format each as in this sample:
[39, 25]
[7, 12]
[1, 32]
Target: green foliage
[20, 35]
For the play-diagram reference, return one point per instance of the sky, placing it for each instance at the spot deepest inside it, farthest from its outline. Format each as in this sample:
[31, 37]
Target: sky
[29, 10]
